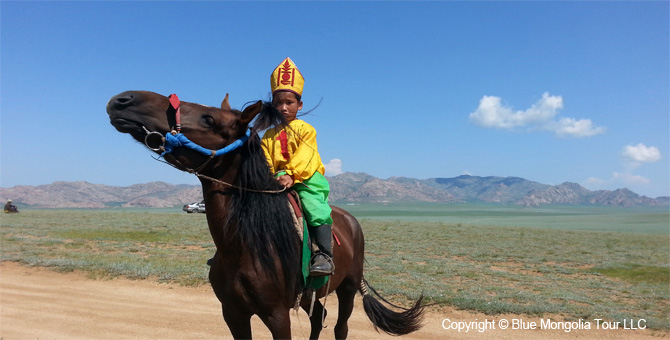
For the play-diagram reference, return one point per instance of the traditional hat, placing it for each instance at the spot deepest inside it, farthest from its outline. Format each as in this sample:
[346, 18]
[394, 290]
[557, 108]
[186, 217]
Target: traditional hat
[287, 77]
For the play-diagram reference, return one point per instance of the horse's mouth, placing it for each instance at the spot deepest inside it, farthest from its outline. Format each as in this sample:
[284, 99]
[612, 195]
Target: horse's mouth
[126, 126]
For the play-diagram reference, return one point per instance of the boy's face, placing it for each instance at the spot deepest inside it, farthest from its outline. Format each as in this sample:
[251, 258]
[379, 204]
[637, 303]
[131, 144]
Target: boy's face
[287, 103]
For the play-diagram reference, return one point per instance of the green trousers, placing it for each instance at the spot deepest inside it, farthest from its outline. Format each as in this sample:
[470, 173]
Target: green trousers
[314, 196]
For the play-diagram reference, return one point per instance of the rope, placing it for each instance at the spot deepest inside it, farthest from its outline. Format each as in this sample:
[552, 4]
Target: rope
[325, 299]
[364, 288]
[237, 187]
[195, 172]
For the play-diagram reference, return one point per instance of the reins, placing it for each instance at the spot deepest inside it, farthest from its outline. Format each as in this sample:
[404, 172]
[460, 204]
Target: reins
[175, 138]
[195, 172]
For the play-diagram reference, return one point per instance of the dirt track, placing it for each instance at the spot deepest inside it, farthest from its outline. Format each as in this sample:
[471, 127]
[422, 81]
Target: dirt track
[41, 304]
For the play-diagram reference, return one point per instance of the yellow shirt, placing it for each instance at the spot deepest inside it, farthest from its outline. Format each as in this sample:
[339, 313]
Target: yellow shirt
[293, 149]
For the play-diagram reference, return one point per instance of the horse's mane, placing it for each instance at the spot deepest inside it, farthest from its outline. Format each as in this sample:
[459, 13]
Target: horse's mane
[269, 117]
[264, 221]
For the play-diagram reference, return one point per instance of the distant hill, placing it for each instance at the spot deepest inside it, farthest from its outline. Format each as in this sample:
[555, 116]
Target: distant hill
[361, 187]
[88, 195]
[488, 189]
[573, 193]
[346, 187]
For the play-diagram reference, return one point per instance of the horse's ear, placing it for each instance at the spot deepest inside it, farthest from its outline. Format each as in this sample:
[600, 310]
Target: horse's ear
[225, 104]
[250, 112]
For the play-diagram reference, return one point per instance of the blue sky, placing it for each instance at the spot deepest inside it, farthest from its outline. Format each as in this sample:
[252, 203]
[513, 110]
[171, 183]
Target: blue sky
[549, 91]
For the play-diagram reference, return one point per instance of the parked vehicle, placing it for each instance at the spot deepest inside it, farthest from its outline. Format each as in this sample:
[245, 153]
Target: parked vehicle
[194, 207]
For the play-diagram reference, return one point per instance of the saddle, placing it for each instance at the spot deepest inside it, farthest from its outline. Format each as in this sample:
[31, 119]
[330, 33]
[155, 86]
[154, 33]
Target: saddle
[308, 247]
[298, 219]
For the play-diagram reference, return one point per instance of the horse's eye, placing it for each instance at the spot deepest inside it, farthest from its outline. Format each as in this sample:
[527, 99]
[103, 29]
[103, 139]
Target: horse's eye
[208, 121]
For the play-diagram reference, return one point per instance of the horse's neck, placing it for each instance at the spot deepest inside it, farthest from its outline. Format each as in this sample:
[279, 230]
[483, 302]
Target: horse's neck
[217, 201]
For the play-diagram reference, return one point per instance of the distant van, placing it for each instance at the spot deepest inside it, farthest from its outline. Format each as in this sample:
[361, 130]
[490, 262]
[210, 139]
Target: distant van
[194, 207]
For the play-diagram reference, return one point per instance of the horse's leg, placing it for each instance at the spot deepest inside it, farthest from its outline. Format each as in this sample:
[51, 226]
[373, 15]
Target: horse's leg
[316, 320]
[239, 324]
[279, 323]
[345, 297]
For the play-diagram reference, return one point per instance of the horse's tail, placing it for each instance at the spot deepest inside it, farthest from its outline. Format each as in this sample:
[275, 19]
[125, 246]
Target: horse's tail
[389, 321]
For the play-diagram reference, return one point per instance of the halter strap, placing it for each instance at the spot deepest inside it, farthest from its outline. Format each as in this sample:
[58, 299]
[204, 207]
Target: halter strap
[180, 140]
[176, 139]
[176, 104]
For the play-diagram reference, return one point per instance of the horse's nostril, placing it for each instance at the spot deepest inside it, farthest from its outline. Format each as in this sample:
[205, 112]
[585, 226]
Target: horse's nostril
[123, 100]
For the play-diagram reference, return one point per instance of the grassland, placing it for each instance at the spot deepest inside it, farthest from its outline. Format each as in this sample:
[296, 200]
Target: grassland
[645, 220]
[578, 262]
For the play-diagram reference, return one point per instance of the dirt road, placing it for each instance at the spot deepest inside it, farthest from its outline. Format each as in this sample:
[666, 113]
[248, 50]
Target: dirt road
[38, 303]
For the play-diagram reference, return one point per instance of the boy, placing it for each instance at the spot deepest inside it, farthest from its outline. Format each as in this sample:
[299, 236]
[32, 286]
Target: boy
[292, 154]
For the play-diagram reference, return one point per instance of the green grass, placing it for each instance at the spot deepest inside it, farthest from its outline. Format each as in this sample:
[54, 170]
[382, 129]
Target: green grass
[648, 220]
[637, 273]
[578, 262]
[167, 246]
[523, 270]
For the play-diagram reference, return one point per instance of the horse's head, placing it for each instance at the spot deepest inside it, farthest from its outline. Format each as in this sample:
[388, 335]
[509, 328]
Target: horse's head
[150, 118]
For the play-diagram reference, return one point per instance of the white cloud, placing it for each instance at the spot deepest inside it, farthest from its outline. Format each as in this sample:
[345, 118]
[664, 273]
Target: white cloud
[492, 113]
[334, 167]
[617, 180]
[641, 153]
[593, 181]
[629, 178]
[576, 128]
[634, 155]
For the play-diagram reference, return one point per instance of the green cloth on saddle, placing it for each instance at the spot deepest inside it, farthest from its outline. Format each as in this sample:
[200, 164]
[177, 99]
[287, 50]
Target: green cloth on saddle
[310, 282]
[313, 193]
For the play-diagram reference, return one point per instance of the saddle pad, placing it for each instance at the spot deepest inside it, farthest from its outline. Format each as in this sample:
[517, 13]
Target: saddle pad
[303, 233]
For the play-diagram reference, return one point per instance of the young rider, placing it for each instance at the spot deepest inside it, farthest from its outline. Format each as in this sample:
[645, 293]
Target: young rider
[292, 154]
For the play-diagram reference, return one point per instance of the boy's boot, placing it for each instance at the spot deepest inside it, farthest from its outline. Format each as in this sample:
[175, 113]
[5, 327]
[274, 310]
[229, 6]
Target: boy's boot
[322, 262]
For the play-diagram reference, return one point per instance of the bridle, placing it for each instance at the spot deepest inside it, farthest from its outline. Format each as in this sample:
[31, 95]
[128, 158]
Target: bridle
[175, 139]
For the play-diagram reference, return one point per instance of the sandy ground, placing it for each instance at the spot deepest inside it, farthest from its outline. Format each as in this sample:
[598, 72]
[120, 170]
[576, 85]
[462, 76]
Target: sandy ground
[38, 303]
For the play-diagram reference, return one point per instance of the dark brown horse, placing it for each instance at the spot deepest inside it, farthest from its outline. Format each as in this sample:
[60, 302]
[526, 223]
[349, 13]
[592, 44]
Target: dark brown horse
[256, 269]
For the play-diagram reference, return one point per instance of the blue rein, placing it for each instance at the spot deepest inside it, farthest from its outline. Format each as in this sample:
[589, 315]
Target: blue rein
[180, 140]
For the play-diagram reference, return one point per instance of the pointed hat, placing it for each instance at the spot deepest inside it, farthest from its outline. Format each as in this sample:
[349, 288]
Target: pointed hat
[287, 77]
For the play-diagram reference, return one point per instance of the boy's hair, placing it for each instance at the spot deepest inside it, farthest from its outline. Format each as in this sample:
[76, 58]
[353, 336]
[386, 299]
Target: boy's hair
[297, 96]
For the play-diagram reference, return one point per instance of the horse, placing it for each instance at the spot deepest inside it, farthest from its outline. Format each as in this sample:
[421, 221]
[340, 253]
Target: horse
[256, 269]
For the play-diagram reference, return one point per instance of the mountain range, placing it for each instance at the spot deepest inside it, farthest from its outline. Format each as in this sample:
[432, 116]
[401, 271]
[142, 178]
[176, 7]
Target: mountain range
[345, 188]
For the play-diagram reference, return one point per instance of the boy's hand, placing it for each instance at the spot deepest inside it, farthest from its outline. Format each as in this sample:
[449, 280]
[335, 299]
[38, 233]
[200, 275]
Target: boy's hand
[285, 180]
